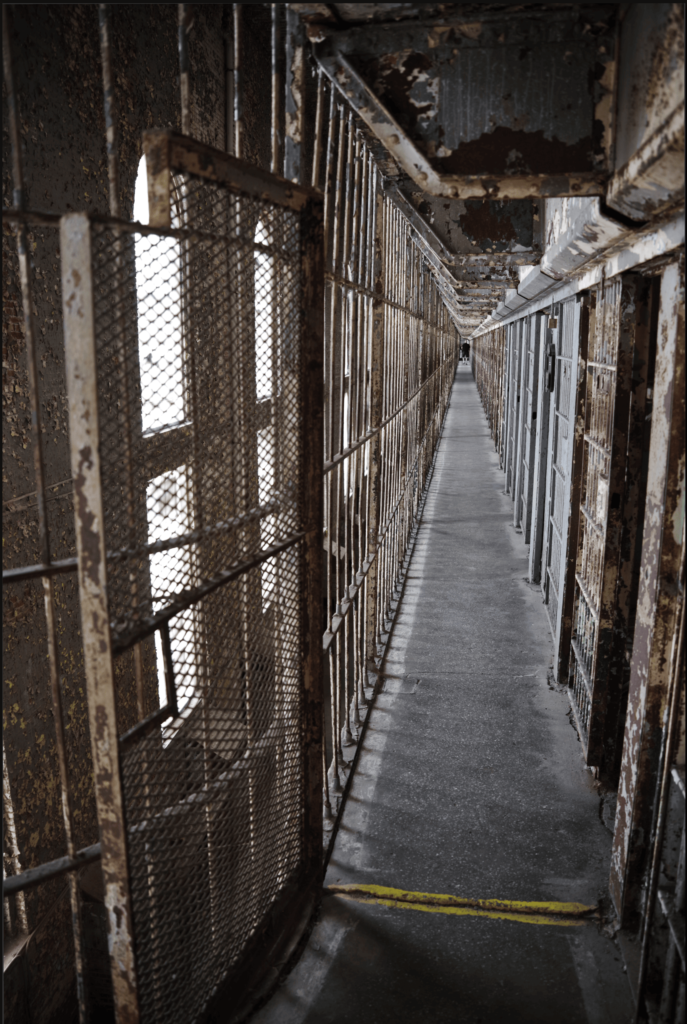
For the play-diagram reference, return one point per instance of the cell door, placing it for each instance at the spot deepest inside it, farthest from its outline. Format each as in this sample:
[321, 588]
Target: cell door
[622, 337]
[530, 400]
[513, 405]
[194, 371]
[523, 328]
[565, 339]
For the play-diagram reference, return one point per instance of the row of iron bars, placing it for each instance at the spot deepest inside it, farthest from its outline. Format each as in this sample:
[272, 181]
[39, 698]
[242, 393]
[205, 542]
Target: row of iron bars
[390, 359]
[389, 364]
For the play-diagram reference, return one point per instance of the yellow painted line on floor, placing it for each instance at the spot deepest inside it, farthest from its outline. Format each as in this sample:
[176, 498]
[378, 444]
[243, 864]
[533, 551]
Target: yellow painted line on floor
[561, 914]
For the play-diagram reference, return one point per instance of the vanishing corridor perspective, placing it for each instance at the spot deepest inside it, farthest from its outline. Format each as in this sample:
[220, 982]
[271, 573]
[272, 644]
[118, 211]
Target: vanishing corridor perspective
[343, 501]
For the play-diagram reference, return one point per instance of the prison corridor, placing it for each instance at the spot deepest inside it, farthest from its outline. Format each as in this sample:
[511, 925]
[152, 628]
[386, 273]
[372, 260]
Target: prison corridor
[470, 783]
[342, 675]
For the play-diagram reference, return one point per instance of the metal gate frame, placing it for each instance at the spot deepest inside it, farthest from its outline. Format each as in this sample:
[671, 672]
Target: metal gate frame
[169, 153]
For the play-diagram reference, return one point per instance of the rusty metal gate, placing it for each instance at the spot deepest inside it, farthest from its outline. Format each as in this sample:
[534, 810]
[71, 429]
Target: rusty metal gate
[195, 387]
[565, 339]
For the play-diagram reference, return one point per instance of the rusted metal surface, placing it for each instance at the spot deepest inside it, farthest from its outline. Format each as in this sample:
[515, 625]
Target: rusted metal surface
[412, 85]
[185, 22]
[239, 127]
[276, 40]
[90, 535]
[10, 838]
[612, 501]
[112, 141]
[575, 230]
[654, 177]
[475, 225]
[650, 134]
[167, 152]
[23, 880]
[59, 79]
[656, 623]
[312, 445]
[474, 254]
[666, 905]
[43, 531]
[294, 103]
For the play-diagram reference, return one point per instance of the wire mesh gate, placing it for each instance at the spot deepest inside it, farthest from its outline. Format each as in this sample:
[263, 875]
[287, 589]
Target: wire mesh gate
[195, 383]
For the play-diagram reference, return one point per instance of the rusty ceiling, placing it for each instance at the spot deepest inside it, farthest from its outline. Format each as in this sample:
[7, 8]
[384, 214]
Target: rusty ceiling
[481, 114]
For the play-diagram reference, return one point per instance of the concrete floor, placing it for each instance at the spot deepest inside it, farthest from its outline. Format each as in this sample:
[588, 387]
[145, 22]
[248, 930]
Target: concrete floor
[471, 783]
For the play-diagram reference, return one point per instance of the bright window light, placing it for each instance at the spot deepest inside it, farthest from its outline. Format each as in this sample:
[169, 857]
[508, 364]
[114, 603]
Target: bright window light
[158, 292]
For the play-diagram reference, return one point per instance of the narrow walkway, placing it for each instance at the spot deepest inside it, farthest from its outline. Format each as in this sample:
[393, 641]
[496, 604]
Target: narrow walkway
[470, 783]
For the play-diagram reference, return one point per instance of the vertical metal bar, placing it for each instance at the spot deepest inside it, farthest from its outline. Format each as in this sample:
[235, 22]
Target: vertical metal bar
[110, 115]
[312, 448]
[667, 754]
[80, 357]
[376, 388]
[317, 147]
[185, 22]
[276, 140]
[295, 96]
[228, 80]
[13, 843]
[113, 173]
[43, 527]
[238, 88]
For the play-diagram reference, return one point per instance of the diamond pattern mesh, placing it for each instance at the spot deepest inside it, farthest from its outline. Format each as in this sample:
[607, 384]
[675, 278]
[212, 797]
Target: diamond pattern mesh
[199, 382]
